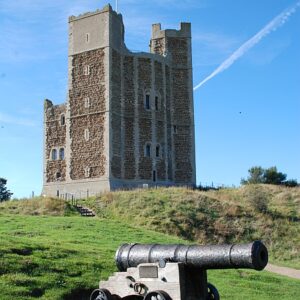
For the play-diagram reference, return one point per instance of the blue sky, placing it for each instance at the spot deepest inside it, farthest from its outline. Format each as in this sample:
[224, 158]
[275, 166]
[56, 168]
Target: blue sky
[247, 115]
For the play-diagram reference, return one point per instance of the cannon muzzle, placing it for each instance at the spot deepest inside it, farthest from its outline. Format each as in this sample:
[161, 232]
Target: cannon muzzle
[251, 256]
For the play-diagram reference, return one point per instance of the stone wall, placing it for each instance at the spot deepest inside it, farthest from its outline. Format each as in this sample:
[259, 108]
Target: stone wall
[128, 113]
[115, 107]
[55, 139]
[87, 154]
[182, 113]
[145, 117]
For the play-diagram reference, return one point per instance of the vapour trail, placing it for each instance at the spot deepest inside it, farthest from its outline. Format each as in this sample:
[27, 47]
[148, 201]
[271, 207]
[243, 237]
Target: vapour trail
[277, 22]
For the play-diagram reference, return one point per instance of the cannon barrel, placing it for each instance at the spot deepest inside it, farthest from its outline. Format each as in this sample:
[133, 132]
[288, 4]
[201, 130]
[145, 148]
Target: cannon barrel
[252, 256]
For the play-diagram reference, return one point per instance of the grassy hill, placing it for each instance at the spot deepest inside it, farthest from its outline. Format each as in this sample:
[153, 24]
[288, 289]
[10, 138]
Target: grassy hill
[269, 213]
[47, 251]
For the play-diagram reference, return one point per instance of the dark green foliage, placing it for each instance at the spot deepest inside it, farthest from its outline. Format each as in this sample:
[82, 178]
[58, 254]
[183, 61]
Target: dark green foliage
[272, 176]
[5, 194]
[256, 175]
[291, 183]
[259, 175]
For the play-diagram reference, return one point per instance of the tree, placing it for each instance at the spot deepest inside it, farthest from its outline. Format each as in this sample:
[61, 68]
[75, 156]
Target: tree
[272, 176]
[5, 194]
[256, 175]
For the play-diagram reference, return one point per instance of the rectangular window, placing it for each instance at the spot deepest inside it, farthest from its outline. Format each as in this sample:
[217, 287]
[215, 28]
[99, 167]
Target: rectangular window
[148, 150]
[175, 128]
[156, 103]
[147, 102]
[87, 37]
[154, 176]
[157, 151]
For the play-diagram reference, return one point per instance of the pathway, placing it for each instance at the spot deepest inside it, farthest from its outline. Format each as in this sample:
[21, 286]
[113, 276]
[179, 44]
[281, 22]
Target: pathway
[293, 273]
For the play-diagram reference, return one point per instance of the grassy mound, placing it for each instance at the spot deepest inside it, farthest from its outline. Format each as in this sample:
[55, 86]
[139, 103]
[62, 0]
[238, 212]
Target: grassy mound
[269, 213]
[59, 258]
[38, 206]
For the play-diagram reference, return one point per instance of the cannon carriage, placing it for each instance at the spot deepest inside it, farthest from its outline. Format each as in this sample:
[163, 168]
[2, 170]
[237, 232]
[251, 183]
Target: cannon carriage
[175, 272]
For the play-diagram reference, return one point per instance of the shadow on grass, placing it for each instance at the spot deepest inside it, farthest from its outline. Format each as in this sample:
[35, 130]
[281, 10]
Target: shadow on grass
[78, 293]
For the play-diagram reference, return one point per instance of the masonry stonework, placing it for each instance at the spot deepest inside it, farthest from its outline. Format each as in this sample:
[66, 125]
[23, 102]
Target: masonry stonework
[129, 119]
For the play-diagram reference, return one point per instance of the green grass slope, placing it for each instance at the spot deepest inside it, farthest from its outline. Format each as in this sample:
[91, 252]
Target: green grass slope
[49, 257]
[265, 212]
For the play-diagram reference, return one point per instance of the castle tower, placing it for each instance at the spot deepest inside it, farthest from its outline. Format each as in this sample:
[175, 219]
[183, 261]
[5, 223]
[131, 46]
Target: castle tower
[128, 120]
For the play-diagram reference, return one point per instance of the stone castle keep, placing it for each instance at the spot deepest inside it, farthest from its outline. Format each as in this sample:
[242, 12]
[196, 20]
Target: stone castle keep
[129, 117]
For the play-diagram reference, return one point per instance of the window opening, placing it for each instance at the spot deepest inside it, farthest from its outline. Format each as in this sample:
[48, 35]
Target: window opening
[87, 36]
[147, 101]
[86, 70]
[156, 103]
[154, 176]
[62, 120]
[58, 175]
[148, 150]
[54, 154]
[86, 134]
[62, 153]
[87, 172]
[157, 151]
[86, 102]
[175, 128]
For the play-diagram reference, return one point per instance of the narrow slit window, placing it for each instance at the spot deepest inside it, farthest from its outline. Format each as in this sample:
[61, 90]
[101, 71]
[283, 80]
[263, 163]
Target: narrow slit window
[86, 134]
[156, 103]
[87, 38]
[147, 102]
[154, 176]
[87, 102]
[157, 151]
[62, 120]
[175, 128]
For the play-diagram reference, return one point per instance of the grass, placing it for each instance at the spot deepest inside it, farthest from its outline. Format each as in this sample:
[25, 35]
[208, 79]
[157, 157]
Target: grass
[64, 257]
[226, 215]
[47, 251]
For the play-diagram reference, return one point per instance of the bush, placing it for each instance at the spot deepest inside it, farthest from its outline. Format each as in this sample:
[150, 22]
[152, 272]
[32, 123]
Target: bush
[258, 198]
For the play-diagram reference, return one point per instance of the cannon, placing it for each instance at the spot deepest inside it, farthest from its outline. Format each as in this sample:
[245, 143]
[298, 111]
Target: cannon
[175, 272]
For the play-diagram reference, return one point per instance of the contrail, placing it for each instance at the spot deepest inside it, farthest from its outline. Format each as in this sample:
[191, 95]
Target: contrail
[277, 22]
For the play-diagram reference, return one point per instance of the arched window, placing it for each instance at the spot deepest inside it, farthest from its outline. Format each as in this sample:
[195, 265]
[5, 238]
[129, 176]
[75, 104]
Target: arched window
[148, 150]
[147, 101]
[62, 153]
[62, 120]
[54, 154]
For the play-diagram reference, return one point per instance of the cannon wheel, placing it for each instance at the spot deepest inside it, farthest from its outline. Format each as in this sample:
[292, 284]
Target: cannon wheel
[101, 294]
[212, 293]
[157, 295]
